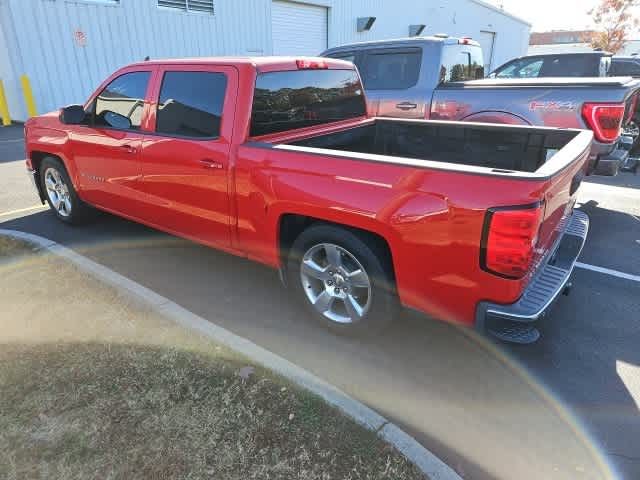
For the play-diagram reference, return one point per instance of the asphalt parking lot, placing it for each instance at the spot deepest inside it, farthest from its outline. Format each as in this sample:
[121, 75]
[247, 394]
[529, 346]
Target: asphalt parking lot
[502, 412]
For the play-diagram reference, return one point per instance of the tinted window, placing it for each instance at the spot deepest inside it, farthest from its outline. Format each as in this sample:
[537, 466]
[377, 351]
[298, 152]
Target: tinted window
[391, 70]
[522, 68]
[571, 66]
[191, 104]
[123, 96]
[300, 98]
[460, 64]
[624, 68]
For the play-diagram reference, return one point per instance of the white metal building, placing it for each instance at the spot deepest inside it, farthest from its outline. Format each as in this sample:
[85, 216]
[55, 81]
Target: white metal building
[67, 47]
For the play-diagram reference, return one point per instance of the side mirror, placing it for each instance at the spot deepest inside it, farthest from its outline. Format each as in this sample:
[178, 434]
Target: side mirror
[117, 120]
[73, 115]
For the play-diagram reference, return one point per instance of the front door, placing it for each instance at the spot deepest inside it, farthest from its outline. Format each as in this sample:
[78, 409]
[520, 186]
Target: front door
[106, 150]
[185, 161]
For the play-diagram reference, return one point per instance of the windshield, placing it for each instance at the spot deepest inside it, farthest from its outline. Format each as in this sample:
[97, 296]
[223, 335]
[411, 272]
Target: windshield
[300, 98]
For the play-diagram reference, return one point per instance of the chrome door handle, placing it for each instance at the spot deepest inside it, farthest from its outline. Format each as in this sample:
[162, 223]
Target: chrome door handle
[406, 106]
[206, 163]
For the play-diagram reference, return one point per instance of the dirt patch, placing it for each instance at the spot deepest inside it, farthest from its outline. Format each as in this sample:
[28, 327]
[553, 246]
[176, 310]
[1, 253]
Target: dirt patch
[10, 248]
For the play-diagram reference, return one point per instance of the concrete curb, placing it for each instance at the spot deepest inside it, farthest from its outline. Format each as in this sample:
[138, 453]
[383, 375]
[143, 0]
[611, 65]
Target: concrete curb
[426, 461]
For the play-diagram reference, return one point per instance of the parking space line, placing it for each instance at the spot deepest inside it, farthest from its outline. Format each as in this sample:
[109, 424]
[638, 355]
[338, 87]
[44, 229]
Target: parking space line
[22, 210]
[608, 271]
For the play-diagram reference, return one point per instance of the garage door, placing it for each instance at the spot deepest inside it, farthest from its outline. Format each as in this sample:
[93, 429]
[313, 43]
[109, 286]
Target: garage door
[298, 29]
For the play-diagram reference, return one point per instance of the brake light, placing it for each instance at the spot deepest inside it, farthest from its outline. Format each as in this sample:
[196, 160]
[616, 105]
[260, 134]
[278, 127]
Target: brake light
[464, 41]
[605, 119]
[312, 65]
[509, 239]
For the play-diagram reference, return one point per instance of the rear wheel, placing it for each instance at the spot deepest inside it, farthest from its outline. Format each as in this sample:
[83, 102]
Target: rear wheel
[342, 280]
[61, 195]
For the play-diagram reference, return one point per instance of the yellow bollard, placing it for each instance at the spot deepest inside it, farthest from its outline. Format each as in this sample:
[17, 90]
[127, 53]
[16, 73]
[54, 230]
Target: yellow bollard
[28, 96]
[4, 108]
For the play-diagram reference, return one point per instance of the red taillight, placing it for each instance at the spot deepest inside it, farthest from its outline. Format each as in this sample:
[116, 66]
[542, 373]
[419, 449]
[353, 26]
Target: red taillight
[605, 119]
[509, 239]
[311, 65]
[464, 41]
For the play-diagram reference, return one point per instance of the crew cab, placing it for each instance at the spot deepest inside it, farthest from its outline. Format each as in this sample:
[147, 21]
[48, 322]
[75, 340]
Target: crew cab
[275, 159]
[441, 78]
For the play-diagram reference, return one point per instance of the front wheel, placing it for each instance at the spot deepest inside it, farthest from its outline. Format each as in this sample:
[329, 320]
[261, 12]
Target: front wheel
[61, 195]
[342, 280]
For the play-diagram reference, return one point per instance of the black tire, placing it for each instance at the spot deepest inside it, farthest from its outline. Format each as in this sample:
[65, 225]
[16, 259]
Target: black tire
[383, 306]
[80, 212]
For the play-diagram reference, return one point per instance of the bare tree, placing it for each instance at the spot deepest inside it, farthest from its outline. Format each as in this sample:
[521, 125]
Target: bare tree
[614, 20]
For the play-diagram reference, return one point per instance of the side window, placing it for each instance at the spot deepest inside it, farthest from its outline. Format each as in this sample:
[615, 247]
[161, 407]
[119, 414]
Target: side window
[121, 102]
[525, 68]
[191, 104]
[389, 70]
[459, 65]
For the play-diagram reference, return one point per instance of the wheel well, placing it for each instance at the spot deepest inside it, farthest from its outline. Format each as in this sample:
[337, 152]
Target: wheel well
[37, 157]
[36, 160]
[292, 225]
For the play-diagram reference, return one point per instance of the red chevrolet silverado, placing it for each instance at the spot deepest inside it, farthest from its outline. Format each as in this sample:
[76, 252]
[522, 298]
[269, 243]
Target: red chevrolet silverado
[275, 159]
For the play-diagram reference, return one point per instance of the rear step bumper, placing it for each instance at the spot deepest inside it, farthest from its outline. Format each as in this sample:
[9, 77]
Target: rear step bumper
[513, 323]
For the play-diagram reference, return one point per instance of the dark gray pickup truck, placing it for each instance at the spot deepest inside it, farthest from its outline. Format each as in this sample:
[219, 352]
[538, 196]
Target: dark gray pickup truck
[442, 78]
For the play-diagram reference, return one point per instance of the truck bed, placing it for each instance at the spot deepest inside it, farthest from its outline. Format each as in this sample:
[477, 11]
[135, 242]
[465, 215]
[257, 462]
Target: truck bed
[505, 149]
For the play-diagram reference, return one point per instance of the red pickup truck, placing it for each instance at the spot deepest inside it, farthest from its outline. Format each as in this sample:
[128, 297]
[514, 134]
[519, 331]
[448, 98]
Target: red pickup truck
[275, 159]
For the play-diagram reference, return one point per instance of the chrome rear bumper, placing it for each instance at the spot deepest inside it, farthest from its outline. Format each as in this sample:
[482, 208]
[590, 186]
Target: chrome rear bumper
[513, 322]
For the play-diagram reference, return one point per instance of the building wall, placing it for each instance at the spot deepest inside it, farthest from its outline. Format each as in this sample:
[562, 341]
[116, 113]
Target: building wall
[8, 75]
[67, 47]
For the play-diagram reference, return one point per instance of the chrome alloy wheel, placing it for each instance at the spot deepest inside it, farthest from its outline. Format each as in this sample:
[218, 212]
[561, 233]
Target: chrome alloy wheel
[335, 283]
[57, 191]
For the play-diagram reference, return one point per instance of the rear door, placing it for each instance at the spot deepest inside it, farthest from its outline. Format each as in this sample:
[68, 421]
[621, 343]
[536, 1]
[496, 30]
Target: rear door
[391, 81]
[185, 161]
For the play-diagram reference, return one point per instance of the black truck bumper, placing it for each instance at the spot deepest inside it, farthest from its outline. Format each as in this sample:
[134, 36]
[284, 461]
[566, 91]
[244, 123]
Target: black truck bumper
[515, 322]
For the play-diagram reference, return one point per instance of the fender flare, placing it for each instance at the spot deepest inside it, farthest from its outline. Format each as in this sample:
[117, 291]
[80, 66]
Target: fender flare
[496, 116]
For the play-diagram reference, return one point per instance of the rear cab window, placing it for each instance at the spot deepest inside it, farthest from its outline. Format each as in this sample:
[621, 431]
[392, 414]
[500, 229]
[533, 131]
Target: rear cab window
[288, 100]
[461, 63]
[390, 69]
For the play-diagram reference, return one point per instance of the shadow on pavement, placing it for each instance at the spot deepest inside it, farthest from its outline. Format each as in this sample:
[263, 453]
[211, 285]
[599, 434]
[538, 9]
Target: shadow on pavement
[614, 239]
[623, 179]
[470, 404]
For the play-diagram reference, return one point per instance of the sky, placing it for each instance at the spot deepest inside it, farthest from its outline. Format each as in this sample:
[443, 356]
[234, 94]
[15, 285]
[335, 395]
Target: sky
[547, 15]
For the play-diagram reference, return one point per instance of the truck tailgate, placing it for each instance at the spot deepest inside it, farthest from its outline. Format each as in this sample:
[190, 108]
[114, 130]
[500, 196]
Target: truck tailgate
[559, 197]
